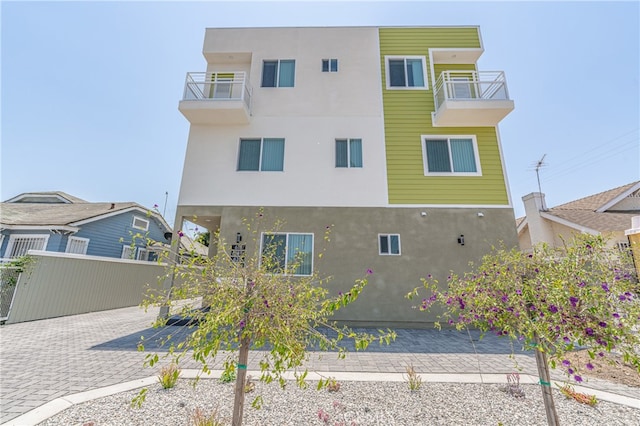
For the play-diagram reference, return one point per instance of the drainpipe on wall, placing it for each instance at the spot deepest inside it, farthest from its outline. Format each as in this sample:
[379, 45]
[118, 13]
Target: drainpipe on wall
[634, 241]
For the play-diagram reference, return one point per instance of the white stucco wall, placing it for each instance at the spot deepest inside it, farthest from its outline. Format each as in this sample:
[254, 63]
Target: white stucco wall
[310, 177]
[354, 90]
[322, 107]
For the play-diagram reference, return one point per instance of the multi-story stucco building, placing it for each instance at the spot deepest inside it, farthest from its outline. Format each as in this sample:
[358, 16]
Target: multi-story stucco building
[388, 134]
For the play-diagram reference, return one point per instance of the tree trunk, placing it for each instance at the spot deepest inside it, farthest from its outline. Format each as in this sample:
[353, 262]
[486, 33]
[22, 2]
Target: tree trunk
[241, 377]
[545, 383]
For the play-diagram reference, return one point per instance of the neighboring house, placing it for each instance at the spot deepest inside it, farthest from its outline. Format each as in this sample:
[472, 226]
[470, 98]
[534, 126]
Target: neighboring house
[608, 213]
[388, 134]
[59, 222]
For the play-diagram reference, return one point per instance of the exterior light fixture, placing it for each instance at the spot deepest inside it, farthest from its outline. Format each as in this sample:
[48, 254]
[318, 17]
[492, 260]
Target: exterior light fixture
[423, 214]
[480, 214]
[461, 240]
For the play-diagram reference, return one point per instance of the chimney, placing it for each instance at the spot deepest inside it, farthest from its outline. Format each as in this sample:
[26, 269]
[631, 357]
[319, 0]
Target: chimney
[113, 206]
[539, 228]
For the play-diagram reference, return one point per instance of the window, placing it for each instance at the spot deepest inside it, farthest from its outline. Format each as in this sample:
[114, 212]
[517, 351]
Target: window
[280, 73]
[19, 245]
[143, 254]
[287, 253]
[140, 223]
[77, 245]
[446, 155]
[265, 155]
[389, 244]
[329, 65]
[128, 252]
[348, 152]
[406, 72]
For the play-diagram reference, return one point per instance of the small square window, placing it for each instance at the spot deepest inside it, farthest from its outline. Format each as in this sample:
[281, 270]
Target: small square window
[329, 65]
[389, 244]
[140, 223]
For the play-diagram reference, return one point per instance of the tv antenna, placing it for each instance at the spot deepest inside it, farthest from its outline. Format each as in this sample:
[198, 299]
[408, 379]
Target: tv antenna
[539, 165]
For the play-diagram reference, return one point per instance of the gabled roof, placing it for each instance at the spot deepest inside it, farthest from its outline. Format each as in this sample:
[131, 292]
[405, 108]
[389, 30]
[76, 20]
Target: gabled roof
[597, 201]
[601, 212]
[25, 214]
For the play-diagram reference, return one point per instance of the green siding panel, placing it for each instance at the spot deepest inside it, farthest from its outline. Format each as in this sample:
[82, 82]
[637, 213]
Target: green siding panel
[407, 116]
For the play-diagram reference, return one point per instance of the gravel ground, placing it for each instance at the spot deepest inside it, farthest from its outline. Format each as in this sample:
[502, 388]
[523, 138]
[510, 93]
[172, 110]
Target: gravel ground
[356, 403]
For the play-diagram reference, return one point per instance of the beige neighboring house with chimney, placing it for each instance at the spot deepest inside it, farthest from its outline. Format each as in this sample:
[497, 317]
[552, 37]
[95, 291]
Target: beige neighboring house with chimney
[608, 213]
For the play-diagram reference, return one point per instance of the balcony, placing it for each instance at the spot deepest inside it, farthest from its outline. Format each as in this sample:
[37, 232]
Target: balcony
[216, 98]
[471, 98]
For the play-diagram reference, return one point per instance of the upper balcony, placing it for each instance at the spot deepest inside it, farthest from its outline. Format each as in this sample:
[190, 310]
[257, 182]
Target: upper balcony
[216, 98]
[468, 98]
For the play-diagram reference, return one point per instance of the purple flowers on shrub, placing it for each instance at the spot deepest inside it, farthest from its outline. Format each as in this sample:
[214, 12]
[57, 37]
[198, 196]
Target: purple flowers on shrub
[553, 309]
[589, 331]
[574, 301]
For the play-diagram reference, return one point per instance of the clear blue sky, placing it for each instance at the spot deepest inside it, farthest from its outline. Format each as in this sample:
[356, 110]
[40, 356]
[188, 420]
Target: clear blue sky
[90, 90]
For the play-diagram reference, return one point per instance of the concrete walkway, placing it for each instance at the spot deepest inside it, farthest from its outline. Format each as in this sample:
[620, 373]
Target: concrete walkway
[43, 361]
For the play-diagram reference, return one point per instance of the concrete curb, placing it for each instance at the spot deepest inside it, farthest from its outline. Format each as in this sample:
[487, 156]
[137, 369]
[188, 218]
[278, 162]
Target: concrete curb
[51, 408]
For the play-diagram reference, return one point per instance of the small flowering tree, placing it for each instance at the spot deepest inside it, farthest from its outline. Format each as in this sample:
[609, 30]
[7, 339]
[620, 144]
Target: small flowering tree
[583, 295]
[261, 299]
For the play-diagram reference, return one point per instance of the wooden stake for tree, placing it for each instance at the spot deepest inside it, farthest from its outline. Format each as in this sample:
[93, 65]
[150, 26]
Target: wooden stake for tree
[545, 383]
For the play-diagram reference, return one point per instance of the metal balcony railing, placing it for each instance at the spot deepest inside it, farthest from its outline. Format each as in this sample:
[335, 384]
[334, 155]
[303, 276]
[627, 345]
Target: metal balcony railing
[217, 86]
[470, 85]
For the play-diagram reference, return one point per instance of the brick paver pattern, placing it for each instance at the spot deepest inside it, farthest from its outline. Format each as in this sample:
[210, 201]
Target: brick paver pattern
[47, 359]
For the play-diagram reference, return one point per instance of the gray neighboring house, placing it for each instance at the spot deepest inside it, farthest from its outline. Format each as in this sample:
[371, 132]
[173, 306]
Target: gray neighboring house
[59, 222]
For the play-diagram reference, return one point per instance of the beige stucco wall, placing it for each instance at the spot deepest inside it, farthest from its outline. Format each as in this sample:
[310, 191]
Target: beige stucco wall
[562, 234]
[428, 246]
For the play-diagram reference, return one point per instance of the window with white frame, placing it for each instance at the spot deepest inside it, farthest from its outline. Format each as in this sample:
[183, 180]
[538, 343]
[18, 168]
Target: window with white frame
[348, 152]
[264, 155]
[77, 245]
[389, 244]
[406, 72]
[128, 252]
[20, 244]
[143, 254]
[329, 65]
[450, 155]
[278, 73]
[140, 223]
[287, 253]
